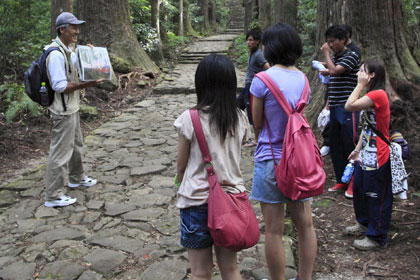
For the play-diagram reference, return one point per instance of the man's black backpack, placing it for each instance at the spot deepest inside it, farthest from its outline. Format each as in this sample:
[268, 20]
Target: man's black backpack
[37, 74]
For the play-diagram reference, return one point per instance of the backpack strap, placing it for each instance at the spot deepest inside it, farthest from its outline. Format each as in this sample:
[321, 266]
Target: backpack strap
[198, 129]
[274, 89]
[375, 130]
[47, 53]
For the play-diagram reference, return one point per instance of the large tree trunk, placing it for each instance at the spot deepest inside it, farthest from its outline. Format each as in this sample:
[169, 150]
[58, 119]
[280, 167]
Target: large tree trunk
[187, 21]
[57, 7]
[379, 28]
[264, 13]
[204, 12]
[181, 18]
[110, 26]
[285, 11]
[157, 53]
[212, 15]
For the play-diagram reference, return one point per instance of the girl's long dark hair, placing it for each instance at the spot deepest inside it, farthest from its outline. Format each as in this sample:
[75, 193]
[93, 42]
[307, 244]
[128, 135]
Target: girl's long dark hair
[373, 65]
[215, 85]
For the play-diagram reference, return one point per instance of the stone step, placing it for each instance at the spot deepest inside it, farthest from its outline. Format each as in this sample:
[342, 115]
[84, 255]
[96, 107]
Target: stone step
[237, 31]
[194, 55]
[203, 53]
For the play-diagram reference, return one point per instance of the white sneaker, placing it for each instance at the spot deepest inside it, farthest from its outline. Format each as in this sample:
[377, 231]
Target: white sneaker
[64, 200]
[366, 244]
[355, 229]
[325, 150]
[86, 182]
[402, 195]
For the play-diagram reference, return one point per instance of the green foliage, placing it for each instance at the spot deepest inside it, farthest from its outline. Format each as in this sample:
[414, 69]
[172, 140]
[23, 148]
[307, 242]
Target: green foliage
[241, 50]
[222, 12]
[194, 13]
[24, 30]
[175, 41]
[141, 20]
[254, 24]
[15, 102]
[412, 10]
[169, 11]
[307, 13]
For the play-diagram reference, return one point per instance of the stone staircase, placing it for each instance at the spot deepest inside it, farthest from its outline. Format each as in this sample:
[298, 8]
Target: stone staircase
[236, 21]
[235, 27]
[181, 79]
[217, 44]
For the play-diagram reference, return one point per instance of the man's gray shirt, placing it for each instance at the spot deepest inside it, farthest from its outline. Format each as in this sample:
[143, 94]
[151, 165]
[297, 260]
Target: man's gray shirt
[256, 62]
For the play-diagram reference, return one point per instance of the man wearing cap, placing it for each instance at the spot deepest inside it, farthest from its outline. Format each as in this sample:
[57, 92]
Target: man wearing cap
[66, 135]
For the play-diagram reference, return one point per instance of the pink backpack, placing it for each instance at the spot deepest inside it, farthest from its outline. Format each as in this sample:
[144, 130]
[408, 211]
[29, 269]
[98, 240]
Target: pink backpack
[300, 172]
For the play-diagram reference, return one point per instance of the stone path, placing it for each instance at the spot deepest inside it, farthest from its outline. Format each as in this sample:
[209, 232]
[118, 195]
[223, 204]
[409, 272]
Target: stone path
[181, 79]
[125, 227]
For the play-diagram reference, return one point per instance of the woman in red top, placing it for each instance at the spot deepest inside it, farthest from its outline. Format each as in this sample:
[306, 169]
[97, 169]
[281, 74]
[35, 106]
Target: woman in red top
[372, 197]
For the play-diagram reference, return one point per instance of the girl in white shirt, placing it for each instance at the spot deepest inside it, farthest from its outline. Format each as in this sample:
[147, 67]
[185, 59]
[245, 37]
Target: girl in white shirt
[225, 128]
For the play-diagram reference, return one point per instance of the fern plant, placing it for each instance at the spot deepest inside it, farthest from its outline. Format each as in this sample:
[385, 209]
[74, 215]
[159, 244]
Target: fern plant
[16, 103]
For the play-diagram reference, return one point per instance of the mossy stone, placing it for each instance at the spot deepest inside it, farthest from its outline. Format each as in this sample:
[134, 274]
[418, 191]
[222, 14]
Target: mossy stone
[120, 65]
[88, 112]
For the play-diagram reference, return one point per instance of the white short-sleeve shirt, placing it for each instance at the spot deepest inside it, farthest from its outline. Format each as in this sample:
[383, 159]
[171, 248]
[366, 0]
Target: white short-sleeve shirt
[194, 189]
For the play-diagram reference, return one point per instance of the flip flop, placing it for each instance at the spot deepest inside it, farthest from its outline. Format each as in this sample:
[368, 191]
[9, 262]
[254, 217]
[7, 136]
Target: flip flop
[250, 143]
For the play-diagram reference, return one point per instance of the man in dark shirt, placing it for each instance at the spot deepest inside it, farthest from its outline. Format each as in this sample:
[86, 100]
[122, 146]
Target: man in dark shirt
[256, 63]
[342, 68]
[350, 45]
[325, 149]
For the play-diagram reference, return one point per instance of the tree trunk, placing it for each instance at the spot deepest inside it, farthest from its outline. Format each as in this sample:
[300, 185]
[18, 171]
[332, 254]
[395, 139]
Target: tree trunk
[57, 7]
[157, 53]
[187, 21]
[181, 18]
[249, 13]
[379, 28]
[164, 21]
[110, 26]
[212, 15]
[285, 11]
[204, 12]
[264, 13]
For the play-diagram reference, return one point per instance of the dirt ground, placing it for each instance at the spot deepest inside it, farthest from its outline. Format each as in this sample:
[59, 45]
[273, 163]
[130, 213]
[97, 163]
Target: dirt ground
[24, 145]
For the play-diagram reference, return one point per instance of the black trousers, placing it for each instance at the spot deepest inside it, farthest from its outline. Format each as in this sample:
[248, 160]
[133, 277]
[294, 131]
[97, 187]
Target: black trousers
[244, 101]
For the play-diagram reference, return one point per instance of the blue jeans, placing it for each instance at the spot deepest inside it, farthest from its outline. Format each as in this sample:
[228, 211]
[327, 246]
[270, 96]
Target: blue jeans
[372, 200]
[264, 184]
[194, 231]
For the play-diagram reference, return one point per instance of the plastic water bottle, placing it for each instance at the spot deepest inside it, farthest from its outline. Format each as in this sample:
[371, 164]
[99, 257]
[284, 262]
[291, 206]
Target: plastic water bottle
[43, 91]
[348, 171]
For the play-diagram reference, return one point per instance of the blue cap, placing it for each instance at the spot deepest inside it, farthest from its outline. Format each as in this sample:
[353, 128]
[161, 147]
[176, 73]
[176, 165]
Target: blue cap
[67, 18]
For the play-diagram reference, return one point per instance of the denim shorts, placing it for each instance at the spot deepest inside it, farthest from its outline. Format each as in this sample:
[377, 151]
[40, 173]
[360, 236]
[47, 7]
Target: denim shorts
[194, 231]
[264, 184]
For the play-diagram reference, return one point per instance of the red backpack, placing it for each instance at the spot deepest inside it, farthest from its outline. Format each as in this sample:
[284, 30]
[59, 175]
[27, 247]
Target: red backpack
[300, 172]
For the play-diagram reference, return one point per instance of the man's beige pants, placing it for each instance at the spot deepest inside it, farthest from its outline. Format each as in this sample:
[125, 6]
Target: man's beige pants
[65, 152]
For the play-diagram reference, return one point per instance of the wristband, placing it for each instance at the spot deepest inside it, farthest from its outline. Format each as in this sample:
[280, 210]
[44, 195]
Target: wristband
[176, 182]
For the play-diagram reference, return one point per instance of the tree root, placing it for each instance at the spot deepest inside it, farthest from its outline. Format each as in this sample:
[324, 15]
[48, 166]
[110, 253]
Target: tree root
[366, 265]
[417, 258]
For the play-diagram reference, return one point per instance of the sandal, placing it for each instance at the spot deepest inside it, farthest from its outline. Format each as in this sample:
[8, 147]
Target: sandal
[250, 143]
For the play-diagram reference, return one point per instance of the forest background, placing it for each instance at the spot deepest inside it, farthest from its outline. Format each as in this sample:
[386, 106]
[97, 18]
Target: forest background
[148, 35]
